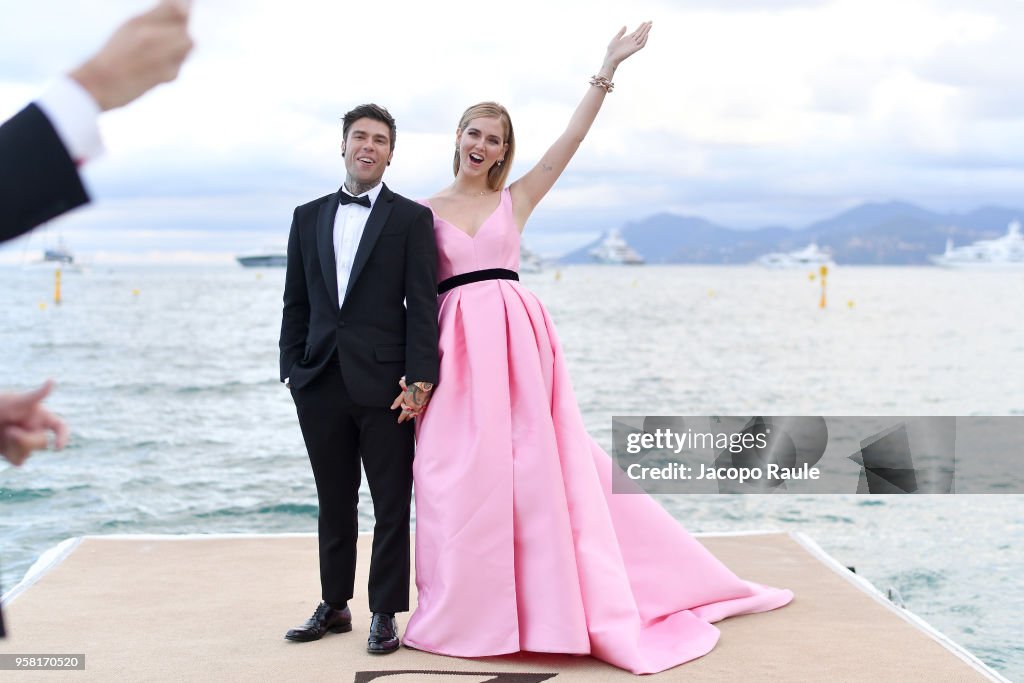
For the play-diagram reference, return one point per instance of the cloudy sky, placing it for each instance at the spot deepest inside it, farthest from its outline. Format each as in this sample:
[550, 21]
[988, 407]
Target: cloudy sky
[746, 112]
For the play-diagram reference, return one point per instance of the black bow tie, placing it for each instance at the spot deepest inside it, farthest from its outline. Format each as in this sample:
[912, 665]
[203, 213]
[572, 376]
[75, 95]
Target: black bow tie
[349, 199]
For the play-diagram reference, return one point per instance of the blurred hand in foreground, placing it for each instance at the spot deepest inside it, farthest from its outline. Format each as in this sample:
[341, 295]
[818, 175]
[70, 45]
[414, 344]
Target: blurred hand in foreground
[25, 424]
[143, 52]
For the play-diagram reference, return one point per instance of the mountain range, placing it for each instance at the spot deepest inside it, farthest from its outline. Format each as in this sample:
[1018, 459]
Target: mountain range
[893, 233]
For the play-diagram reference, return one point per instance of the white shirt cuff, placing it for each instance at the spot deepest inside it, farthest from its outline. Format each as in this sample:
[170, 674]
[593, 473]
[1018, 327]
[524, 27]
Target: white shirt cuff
[75, 117]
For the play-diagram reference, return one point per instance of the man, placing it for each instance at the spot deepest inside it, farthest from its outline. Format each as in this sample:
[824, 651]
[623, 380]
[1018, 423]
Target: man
[42, 145]
[40, 150]
[347, 339]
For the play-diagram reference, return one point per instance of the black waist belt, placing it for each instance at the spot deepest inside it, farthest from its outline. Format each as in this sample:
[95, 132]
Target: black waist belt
[476, 276]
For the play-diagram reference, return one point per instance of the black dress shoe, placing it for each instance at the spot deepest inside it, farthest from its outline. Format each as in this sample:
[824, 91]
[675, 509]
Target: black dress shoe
[383, 634]
[324, 619]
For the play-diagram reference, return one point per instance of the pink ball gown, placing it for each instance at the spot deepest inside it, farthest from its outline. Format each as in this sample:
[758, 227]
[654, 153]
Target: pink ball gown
[520, 544]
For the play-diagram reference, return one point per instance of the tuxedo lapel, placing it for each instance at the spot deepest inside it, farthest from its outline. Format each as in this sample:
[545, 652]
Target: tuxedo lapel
[374, 224]
[325, 246]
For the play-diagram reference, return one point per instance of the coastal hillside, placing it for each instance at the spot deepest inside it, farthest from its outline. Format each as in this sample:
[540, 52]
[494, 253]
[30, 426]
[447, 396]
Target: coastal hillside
[890, 233]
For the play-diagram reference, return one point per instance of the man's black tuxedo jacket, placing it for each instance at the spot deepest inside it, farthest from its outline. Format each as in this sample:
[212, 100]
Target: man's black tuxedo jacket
[38, 179]
[387, 325]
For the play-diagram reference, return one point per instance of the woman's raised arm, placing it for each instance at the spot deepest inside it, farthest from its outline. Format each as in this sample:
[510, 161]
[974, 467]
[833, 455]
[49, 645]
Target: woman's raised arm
[531, 188]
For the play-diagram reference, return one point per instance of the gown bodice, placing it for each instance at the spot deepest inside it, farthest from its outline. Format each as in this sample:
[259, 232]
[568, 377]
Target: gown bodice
[495, 244]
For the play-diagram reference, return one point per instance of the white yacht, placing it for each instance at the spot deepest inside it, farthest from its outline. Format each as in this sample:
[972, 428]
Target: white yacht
[1004, 252]
[810, 256]
[614, 250]
[529, 261]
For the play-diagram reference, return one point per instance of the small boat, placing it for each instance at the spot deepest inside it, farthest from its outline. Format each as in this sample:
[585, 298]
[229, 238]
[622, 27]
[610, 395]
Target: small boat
[810, 256]
[263, 260]
[613, 249]
[59, 257]
[1004, 252]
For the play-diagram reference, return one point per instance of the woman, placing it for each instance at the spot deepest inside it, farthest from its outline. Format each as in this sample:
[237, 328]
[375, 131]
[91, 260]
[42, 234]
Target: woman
[520, 544]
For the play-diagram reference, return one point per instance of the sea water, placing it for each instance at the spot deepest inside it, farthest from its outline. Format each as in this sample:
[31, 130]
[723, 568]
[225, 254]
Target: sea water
[168, 378]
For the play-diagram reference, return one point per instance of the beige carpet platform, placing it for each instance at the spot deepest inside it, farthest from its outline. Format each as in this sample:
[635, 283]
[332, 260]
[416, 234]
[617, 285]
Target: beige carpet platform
[215, 608]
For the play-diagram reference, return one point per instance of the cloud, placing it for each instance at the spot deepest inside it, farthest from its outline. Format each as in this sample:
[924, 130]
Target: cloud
[746, 112]
[752, 5]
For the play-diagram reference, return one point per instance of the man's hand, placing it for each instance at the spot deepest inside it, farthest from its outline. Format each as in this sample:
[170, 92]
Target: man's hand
[24, 424]
[145, 51]
[413, 399]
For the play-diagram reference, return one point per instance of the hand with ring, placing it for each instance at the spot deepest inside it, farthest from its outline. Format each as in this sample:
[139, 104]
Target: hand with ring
[412, 400]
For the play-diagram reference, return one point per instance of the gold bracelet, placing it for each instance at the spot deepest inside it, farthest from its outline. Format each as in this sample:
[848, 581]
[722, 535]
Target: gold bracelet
[602, 82]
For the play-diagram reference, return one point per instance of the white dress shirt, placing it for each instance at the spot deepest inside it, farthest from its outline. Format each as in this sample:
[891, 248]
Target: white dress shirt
[75, 117]
[348, 230]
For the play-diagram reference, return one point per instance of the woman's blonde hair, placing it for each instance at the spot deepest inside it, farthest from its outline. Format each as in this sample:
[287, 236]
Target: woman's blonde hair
[498, 173]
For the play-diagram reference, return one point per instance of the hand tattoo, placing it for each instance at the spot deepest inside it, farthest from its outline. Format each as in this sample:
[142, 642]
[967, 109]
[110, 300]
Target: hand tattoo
[417, 394]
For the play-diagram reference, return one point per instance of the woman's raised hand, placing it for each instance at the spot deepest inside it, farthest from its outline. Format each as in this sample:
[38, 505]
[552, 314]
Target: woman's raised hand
[531, 188]
[623, 45]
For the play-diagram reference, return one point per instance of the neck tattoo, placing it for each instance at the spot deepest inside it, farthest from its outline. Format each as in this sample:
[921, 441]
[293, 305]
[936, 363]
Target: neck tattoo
[355, 189]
